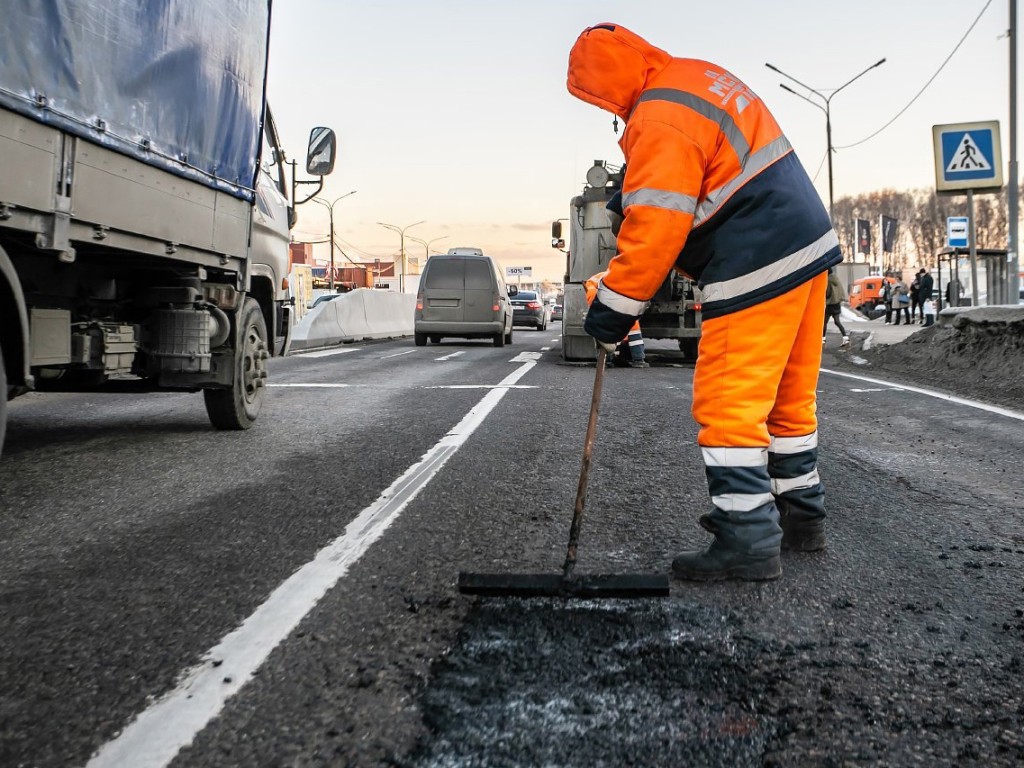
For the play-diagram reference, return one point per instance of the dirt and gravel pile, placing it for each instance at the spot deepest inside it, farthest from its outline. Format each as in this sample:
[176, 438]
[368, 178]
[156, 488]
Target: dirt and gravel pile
[971, 357]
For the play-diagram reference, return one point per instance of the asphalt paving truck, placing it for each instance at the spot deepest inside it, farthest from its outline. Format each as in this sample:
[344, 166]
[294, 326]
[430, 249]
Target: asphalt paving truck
[144, 207]
[674, 312]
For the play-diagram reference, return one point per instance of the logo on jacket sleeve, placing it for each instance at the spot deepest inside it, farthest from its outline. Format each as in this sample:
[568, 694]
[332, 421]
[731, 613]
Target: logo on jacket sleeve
[728, 88]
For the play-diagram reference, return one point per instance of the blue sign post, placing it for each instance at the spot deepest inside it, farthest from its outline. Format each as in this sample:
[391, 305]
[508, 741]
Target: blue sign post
[968, 159]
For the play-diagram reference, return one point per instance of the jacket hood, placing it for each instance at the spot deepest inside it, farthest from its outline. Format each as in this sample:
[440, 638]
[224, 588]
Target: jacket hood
[609, 67]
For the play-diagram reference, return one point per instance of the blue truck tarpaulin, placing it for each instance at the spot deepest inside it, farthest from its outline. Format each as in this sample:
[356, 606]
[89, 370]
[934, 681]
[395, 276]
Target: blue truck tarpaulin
[179, 84]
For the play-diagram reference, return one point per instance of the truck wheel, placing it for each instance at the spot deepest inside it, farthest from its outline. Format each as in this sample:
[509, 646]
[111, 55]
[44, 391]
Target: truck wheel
[689, 348]
[420, 339]
[508, 336]
[3, 401]
[238, 407]
[499, 339]
[435, 339]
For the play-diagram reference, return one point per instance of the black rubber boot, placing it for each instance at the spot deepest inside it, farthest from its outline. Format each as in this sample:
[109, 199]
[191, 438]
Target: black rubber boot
[718, 563]
[800, 532]
[803, 536]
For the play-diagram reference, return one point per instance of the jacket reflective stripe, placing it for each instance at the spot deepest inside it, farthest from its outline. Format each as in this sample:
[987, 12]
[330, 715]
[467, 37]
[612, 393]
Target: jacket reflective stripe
[757, 162]
[619, 303]
[784, 485]
[659, 198]
[794, 444]
[741, 502]
[734, 457]
[730, 289]
[733, 134]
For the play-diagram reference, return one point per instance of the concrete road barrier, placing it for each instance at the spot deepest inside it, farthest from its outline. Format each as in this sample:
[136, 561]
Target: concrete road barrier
[361, 314]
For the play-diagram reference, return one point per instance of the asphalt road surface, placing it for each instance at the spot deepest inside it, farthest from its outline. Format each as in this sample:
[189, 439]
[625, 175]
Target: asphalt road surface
[172, 595]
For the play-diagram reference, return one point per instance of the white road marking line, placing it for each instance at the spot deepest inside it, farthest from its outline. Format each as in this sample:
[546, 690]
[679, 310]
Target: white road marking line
[315, 386]
[874, 389]
[545, 349]
[398, 354]
[931, 393]
[325, 352]
[449, 357]
[156, 736]
[482, 386]
[526, 357]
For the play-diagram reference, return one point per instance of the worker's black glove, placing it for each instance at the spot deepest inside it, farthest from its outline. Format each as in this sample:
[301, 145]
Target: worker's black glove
[606, 325]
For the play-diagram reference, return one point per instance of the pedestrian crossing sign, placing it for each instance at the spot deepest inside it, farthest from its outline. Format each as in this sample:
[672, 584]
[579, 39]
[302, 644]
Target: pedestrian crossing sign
[967, 157]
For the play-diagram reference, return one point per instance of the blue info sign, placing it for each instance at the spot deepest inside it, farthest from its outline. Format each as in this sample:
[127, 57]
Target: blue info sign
[967, 157]
[956, 231]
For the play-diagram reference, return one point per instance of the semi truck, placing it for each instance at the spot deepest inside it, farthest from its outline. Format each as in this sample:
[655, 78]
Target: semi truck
[674, 312]
[144, 203]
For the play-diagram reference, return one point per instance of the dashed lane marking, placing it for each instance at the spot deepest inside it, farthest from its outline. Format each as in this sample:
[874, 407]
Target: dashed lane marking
[398, 354]
[449, 357]
[526, 357]
[931, 393]
[156, 736]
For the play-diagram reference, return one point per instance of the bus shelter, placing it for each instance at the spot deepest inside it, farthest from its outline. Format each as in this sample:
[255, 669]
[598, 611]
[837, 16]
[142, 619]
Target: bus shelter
[951, 276]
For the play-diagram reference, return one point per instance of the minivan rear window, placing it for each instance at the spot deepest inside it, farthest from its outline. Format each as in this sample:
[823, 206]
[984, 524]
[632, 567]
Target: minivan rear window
[479, 275]
[445, 274]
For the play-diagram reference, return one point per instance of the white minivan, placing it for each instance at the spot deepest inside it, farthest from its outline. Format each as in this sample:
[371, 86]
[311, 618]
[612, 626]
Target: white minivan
[463, 294]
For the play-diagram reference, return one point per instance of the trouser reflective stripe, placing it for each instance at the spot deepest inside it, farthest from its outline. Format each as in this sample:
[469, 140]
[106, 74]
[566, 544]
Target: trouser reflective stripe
[635, 340]
[792, 466]
[747, 391]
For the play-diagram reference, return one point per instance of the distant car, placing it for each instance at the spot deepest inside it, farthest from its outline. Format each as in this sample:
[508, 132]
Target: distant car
[529, 310]
[556, 312]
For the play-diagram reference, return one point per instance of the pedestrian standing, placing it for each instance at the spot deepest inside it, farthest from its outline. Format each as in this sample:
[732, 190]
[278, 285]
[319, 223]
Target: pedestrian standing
[925, 291]
[713, 188]
[887, 298]
[835, 295]
[901, 300]
[915, 297]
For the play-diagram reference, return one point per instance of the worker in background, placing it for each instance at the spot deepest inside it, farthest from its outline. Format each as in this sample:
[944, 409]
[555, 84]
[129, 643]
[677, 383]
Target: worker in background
[835, 295]
[633, 356]
[714, 189]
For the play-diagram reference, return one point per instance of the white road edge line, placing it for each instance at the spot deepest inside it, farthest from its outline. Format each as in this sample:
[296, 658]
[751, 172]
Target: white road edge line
[156, 736]
[931, 393]
[325, 352]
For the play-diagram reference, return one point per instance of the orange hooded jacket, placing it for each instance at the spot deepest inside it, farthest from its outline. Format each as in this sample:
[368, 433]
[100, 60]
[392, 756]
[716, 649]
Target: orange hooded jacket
[712, 187]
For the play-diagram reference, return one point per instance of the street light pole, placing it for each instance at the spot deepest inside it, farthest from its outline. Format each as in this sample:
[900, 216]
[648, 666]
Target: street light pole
[426, 245]
[401, 234]
[330, 210]
[826, 109]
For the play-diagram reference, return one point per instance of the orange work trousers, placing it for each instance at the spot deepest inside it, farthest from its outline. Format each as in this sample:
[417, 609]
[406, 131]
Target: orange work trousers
[757, 370]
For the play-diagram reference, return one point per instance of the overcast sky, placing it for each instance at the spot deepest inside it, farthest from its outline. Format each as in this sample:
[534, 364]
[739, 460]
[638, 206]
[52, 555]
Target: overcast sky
[455, 111]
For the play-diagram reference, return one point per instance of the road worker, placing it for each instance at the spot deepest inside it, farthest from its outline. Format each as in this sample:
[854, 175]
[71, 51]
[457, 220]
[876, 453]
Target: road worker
[634, 355]
[713, 188]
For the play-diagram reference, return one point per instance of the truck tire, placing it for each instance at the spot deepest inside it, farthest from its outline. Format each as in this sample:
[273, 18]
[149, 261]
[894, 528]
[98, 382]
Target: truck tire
[3, 401]
[508, 336]
[420, 339]
[238, 407]
[499, 339]
[689, 348]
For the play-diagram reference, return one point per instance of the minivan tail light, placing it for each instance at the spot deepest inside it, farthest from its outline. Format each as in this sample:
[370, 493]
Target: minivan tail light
[495, 308]
[419, 302]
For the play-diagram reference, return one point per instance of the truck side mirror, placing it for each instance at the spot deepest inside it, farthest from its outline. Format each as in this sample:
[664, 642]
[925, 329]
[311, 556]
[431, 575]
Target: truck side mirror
[556, 235]
[320, 156]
